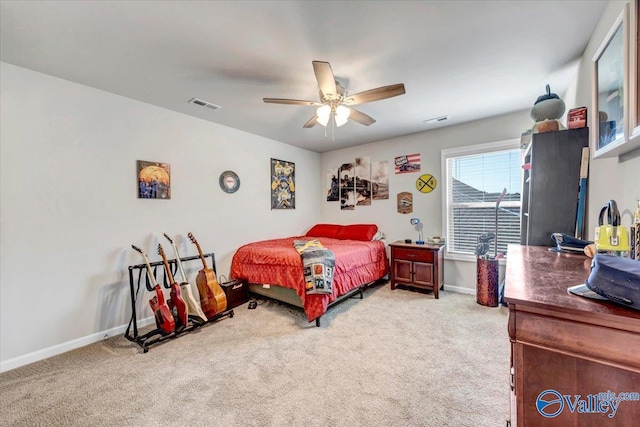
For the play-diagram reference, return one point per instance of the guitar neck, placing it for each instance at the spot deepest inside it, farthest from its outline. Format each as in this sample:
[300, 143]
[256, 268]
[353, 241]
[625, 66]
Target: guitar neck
[195, 242]
[166, 265]
[184, 276]
[204, 262]
[149, 271]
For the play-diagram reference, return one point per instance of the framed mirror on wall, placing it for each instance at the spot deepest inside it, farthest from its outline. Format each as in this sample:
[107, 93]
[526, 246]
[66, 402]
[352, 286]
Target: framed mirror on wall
[634, 73]
[615, 86]
[610, 87]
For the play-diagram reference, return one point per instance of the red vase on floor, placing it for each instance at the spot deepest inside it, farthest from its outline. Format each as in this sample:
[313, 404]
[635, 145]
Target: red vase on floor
[487, 285]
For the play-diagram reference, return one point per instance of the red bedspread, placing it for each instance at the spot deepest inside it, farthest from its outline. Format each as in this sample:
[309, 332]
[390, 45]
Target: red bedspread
[276, 262]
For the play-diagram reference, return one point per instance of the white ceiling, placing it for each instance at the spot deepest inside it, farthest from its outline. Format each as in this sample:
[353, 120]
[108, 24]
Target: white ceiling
[465, 59]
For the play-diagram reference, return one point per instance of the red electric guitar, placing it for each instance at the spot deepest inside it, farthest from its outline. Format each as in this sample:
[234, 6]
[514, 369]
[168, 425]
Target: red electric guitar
[176, 302]
[164, 319]
[193, 308]
[208, 286]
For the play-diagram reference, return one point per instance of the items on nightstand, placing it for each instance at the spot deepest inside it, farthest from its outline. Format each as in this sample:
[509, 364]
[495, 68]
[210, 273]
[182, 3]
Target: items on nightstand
[418, 224]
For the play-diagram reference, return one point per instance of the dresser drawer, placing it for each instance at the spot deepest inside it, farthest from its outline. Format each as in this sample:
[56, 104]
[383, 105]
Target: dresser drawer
[413, 254]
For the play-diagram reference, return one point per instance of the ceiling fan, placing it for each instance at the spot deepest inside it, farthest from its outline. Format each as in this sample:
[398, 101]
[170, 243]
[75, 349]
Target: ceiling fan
[334, 102]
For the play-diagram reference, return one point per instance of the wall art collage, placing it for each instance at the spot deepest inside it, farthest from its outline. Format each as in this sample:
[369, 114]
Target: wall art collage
[358, 183]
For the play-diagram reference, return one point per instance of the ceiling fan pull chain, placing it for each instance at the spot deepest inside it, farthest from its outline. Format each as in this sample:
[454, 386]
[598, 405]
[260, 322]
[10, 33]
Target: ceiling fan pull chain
[333, 127]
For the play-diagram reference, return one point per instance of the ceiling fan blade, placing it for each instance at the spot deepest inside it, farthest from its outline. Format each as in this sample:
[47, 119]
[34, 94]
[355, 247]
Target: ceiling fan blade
[376, 94]
[360, 117]
[326, 80]
[290, 101]
[311, 122]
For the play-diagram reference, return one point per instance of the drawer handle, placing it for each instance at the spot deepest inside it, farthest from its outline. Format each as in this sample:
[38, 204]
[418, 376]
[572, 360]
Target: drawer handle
[411, 255]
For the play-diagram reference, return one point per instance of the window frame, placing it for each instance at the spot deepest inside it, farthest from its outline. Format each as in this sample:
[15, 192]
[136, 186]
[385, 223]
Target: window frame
[469, 150]
[634, 70]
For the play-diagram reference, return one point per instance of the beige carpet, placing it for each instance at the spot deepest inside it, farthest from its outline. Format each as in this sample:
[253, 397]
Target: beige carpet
[394, 358]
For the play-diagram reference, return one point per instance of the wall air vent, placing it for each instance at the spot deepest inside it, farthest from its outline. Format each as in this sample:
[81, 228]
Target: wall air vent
[204, 104]
[436, 120]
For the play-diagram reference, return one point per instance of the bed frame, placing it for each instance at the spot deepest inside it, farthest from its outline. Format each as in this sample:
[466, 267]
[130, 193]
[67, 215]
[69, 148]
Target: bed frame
[290, 297]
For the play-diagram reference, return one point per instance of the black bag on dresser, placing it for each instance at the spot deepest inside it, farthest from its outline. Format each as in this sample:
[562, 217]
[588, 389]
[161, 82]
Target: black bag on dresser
[237, 291]
[616, 278]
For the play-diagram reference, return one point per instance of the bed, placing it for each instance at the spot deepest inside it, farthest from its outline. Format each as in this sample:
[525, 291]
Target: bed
[360, 260]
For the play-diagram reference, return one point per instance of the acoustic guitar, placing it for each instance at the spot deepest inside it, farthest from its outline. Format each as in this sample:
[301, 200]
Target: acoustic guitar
[193, 308]
[164, 319]
[207, 282]
[176, 304]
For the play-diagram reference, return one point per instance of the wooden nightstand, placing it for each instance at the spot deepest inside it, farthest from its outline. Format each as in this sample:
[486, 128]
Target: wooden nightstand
[419, 266]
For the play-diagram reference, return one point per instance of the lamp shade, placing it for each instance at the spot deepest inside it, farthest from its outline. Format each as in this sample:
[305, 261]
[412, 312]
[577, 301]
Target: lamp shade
[323, 113]
[342, 115]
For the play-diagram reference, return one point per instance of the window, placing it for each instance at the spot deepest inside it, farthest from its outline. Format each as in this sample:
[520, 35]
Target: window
[475, 177]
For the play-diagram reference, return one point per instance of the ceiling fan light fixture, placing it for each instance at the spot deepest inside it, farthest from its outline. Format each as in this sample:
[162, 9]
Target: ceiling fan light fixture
[334, 102]
[323, 113]
[342, 115]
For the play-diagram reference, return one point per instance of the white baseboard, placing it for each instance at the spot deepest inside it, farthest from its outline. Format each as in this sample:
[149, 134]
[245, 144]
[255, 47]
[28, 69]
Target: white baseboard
[45, 353]
[459, 289]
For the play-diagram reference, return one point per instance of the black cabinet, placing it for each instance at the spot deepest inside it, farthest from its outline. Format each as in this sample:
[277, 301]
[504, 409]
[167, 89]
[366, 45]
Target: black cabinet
[551, 182]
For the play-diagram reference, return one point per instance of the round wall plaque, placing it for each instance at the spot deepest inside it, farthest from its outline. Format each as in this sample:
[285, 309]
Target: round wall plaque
[426, 183]
[229, 182]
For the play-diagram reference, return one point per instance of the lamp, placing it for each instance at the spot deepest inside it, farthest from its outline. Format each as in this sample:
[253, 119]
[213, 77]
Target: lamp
[324, 114]
[418, 224]
[342, 115]
[339, 113]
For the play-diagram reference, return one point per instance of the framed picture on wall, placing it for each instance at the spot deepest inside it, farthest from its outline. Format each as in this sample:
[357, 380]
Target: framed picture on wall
[283, 184]
[154, 180]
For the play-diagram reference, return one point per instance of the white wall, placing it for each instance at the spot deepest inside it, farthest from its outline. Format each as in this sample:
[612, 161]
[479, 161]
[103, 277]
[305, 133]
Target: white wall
[69, 211]
[427, 207]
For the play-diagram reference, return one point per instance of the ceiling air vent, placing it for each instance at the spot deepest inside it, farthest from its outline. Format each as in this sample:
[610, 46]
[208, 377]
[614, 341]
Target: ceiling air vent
[436, 120]
[204, 104]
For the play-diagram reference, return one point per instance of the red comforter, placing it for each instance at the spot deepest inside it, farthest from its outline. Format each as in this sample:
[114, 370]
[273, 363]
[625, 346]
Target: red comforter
[276, 262]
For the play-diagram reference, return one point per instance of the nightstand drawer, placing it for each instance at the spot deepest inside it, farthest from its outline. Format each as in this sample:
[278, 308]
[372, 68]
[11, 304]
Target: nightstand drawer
[413, 254]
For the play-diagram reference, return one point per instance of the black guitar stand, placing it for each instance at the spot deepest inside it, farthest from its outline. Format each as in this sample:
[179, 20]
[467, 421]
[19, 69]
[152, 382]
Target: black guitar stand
[158, 335]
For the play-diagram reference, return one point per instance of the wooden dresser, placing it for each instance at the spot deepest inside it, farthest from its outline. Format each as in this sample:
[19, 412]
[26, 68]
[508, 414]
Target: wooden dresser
[566, 349]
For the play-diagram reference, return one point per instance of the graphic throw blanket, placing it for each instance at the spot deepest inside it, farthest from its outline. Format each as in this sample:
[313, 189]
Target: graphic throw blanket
[318, 263]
